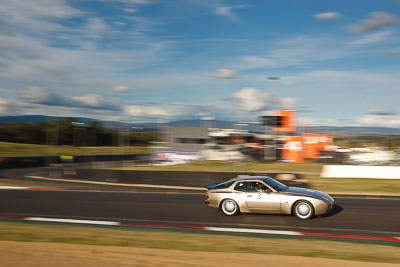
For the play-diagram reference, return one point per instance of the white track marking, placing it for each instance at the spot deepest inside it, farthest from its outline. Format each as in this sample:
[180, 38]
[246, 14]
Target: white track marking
[256, 231]
[118, 184]
[213, 223]
[13, 187]
[39, 219]
[214, 229]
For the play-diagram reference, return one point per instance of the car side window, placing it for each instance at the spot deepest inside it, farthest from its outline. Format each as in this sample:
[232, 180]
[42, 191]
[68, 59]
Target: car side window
[249, 187]
[240, 187]
[252, 187]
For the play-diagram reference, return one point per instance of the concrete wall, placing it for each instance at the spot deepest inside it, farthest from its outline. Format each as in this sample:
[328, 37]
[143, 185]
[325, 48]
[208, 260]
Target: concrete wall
[354, 171]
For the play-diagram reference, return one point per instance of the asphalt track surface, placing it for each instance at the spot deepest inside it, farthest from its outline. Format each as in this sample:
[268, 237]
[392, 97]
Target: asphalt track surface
[352, 214]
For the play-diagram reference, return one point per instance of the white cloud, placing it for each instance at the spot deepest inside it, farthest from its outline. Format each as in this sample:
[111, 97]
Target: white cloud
[130, 10]
[252, 99]
[327, 16]
[372, 38]
[36, 16]
[96, 28]
[224, 11]
[250, 62]
[227, 11]
[288, 102]
[40, 45]
[375, 21]
[33, 61]
[176, 111]
[74, 70]
[91, 100]
[353, 91]
[225, 74]
[359, 81]
[207, 118]
[147, 111]
[36, 94]
[39, 96]
[381, 112]
[301, 50]
[119, 23]
[155, 111]
[379, 120]
[306, 121]
[122, 89]
[3, 106]
[137, 2]
[134, 111]
[297, 51]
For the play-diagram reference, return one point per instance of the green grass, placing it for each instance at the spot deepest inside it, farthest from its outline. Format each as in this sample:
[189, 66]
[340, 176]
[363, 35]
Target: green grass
[384, 186]
[32, 232]
[250, 166]
[24, 150]
[7, 184]
[308, 170]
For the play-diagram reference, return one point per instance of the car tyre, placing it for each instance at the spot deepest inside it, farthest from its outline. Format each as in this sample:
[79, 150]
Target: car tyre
[229, 207]
[304, 210]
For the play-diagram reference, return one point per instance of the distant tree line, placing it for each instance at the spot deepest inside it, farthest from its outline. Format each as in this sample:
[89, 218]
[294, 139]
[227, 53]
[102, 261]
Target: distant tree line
[70, 133]
[387, 142]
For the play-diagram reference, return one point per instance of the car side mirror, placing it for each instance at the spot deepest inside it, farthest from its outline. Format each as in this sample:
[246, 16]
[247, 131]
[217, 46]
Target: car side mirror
[269, 191]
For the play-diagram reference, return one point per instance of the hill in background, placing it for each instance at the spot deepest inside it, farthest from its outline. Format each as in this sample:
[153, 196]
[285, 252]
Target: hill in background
[151, 126]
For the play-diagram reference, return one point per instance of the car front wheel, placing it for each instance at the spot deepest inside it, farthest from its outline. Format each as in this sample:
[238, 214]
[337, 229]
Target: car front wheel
[229, 207]
[304, 210]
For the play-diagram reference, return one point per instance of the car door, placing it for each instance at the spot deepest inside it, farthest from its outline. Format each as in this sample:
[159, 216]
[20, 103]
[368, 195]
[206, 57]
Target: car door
[265, 201]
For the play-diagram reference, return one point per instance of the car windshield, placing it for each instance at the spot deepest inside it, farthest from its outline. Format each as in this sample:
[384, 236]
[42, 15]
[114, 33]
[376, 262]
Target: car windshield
[275, 184]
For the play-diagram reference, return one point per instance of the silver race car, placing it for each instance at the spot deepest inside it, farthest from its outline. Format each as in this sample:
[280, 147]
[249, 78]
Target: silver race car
[261, 194]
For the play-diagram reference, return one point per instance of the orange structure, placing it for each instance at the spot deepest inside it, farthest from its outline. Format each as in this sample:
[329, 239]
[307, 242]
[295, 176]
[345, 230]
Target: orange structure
[316, 143]
[285, 122]
[296, 148]
[292, 149]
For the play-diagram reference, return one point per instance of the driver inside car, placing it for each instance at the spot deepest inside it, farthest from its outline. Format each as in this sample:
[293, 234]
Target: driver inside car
[260, 188]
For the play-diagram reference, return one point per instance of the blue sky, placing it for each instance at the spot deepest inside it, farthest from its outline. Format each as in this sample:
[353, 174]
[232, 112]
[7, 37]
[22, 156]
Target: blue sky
[157, 60]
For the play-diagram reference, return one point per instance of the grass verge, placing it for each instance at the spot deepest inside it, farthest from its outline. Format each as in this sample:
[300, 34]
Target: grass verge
[250, 166]
[26, 150]
[33, 232]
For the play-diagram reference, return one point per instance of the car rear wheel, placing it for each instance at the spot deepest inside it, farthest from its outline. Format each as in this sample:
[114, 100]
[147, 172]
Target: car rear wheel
[304, 210]
[229, 207]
